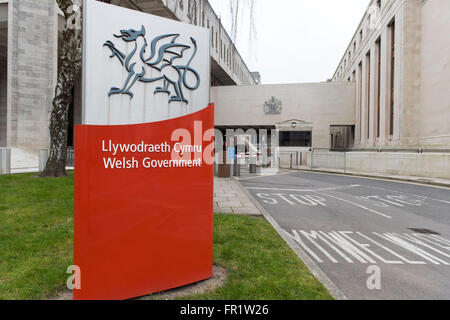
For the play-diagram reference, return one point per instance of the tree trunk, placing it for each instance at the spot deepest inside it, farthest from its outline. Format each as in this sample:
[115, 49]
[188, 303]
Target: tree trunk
[70, 49]
[69, 68]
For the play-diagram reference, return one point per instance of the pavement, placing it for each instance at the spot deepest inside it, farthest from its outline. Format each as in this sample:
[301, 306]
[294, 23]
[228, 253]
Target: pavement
[364, 238]
[229, 197]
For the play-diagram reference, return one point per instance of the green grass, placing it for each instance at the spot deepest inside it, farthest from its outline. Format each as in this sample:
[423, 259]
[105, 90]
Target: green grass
[36, 239]
[36, 235]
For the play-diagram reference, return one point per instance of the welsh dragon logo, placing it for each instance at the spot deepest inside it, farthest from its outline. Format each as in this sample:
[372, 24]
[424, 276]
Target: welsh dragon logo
[163, 55]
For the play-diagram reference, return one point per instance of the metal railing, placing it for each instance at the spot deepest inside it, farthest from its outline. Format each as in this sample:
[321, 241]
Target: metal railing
[329, 160]
[43, 157]
[70, 160]
[292, 159]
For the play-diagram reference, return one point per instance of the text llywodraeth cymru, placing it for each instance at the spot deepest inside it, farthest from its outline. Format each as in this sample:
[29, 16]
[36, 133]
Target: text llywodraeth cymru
[181, 156]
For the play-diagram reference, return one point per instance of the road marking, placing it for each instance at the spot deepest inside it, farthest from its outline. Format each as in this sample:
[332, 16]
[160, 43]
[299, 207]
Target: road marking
[263, 176]
[427, 198]
[396, 239]
[358, 205]
[353, 247]
[307, 200]
[281, 195]
[402, 193]
[304, 190]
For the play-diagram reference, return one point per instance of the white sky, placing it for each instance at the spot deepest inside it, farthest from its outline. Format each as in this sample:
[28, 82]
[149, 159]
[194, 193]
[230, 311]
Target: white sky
[297, 40]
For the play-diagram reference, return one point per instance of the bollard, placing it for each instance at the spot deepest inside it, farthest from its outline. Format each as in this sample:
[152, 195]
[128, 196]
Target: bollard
[5, 161]
[43, 157]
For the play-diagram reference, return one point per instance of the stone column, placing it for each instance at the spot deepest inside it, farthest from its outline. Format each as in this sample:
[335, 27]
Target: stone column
[3, 116]
[32, 66]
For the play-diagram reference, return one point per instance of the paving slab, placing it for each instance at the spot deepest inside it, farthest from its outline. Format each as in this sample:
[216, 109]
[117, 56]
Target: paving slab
[229, 197]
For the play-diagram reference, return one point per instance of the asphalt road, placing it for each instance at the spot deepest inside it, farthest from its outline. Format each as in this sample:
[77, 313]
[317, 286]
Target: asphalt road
[374, 239]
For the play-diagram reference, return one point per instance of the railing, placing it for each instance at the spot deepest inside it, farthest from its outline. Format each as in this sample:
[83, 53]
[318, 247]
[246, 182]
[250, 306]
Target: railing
[43, 157]
[292, 159]
[393, 150]
[70, 160]
[329, 160]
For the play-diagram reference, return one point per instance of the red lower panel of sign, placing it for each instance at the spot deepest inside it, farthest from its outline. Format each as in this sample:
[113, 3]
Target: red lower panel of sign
[146, 228]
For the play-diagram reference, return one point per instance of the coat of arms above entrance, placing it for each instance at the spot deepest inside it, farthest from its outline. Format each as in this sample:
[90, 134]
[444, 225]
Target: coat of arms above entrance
[164, 59]
[273, 106]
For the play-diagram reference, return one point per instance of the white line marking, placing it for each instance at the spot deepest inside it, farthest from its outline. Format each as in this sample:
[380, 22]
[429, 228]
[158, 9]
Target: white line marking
[428, 198]
[416, 195]
[358, 205]
[304, 190]
[440, 200]
[383, 189]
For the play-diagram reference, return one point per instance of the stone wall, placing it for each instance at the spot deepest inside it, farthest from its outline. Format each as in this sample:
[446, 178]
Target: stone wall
[31, 69]
[431, 165]
[422, 75]
[319, 104]
[3, 116]
[434, 115]
[411, 74]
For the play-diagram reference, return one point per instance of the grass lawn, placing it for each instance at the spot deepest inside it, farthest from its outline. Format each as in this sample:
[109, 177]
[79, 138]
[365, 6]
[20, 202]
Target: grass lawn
[36, 235]
[36, 238]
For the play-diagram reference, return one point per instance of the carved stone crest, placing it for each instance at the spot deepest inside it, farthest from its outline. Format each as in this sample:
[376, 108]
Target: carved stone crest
[273, 106]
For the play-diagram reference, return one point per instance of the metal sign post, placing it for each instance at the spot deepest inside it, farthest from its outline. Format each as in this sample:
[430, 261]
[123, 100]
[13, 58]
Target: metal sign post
[231, 157]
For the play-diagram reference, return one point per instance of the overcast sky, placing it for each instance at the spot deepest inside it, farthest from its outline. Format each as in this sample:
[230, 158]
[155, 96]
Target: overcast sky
[297, 40]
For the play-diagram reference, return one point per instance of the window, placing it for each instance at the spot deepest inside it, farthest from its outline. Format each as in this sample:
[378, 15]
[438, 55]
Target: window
[392, 76]
[212, 36]
[368, 75]
[192, 11]
[295, 138]
[360, 86]
[378, 89]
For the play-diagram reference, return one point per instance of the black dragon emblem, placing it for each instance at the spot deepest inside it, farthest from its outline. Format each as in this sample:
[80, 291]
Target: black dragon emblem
[161, 55]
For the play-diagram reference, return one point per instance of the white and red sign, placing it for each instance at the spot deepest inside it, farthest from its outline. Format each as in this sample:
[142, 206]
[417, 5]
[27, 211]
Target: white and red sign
[143, 156]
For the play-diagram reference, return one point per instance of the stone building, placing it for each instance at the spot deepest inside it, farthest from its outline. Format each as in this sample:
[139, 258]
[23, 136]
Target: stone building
[29, 55]
[389, 93]
[399, 58]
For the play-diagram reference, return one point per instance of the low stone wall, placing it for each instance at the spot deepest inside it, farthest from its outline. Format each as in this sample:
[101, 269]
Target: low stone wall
[432, 165]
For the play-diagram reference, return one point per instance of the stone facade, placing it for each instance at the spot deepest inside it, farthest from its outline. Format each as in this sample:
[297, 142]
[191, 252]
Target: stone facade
[421, 104]
[32, 62]
[3, 81]
[434, 118]
[3, 70]
[32, 56]
[431, 165]
[316, 105]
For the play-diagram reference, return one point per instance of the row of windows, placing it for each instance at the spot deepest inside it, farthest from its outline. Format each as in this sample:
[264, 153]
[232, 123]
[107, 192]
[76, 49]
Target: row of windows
[225, 52]
[373, 14]
[363, 87]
